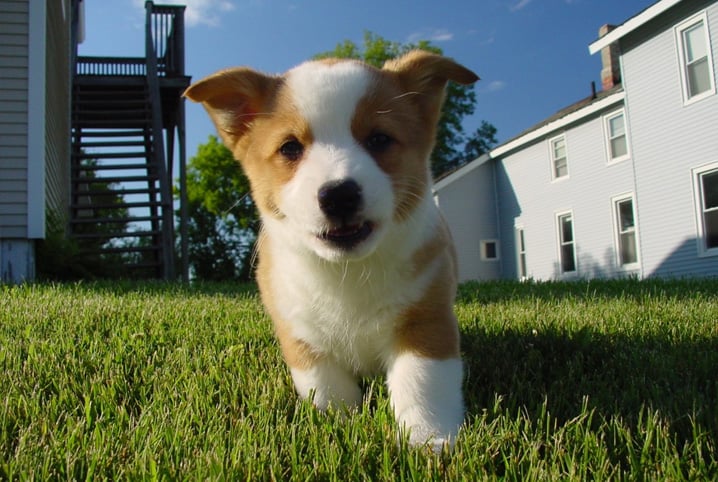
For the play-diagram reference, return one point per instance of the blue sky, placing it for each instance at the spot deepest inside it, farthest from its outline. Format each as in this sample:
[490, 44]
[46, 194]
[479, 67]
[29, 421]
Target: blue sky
[532, 55]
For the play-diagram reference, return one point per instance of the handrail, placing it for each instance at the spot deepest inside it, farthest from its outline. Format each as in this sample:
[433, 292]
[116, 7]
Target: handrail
[165, 43]
[166, 23]
[153, 84]
[119, 66]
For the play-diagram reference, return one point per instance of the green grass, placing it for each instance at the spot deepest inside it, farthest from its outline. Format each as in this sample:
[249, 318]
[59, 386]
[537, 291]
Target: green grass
[586, 380]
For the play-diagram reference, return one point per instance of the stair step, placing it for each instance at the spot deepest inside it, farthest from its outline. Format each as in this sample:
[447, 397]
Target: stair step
[133, 219]
[113, 167]
[110, 180]
[121, 234]
[84, 145]
[138, 204]
[109, 155]
[116, 192]
[112, 133]
[110, 123]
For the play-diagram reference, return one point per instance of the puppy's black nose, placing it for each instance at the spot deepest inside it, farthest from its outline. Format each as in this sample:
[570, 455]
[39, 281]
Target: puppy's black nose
[340, 199]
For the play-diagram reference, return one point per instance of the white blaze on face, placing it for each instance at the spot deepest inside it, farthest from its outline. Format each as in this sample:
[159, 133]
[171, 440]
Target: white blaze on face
[326, 96]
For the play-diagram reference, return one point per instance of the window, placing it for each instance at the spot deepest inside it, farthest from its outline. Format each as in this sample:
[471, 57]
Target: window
[615, 125]
[695, 58]
[567, 252]
[706, 192]
[521, 253]
[489, 250]
[626, 238]
[559, 160]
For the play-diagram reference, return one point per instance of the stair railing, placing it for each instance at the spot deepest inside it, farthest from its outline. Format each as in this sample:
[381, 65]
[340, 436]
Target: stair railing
[158, 51]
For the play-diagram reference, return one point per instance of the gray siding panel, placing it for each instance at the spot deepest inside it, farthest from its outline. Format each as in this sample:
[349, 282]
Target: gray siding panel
[669, 140]
[469, 208]
[57, 127]
[529, 199]
[13, 118]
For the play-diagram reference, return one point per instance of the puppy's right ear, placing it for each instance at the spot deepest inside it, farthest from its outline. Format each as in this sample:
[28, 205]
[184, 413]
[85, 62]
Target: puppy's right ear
[233, 98]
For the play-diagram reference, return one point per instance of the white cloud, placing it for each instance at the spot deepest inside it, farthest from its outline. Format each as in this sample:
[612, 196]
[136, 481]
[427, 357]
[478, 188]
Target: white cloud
[437, 35]
[200, 12]
[493, 86]
[520, 5]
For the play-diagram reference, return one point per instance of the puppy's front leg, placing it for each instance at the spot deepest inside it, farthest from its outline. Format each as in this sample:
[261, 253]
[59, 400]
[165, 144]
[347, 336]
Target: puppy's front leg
[328, 384]
[426, 398]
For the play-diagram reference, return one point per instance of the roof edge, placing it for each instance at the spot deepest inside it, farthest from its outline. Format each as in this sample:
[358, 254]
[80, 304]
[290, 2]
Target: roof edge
[560, 123]
[460, 172]
[631, 24]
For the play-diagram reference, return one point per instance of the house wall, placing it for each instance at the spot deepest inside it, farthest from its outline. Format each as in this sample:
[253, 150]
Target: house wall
[529, 198]
[57, 108]
[469, 207]
[669, 139]
[14, 49]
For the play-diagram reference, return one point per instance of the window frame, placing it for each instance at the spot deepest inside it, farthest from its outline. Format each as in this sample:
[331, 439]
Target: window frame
[560, 244]
[616, 216]
[680, 29]
[607, 136]
[696, 174]
[482, 250]
[521, 258]
[551, 152]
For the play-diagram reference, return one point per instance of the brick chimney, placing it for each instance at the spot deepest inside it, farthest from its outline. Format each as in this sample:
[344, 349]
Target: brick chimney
[611, 71]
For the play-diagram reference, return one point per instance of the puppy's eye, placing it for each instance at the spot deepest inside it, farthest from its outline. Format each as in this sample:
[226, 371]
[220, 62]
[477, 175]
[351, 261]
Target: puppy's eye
[378, 142]
[292, 150]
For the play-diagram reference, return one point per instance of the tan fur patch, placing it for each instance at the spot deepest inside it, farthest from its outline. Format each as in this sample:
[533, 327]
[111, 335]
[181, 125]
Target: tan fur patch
[389, 110]
[429, 327]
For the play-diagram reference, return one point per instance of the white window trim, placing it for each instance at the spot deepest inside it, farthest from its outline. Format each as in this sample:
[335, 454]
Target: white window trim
[679, 29]
[617, 235]
[482, 248]
[607, 136]
[557, 223]
[551, 158]
[696, 173]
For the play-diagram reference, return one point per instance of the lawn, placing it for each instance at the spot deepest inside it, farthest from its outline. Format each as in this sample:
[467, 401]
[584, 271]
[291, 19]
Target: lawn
[586, 380]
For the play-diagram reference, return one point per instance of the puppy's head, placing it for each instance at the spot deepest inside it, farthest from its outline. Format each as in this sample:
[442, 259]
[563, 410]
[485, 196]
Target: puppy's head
[336, 151]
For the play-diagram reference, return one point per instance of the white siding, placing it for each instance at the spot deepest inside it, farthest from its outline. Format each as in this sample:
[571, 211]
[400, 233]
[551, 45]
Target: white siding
[668, 140]
[13, 118]
[530, 199]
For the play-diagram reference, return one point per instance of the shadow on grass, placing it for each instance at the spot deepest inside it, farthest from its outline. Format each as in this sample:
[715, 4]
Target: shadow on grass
[627, 288]
[619, 375]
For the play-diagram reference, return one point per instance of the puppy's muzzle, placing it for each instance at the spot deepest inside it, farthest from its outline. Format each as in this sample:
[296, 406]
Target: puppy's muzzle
[341, 202]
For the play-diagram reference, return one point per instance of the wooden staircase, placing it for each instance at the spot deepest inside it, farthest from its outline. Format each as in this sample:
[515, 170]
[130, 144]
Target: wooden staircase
[125, 112]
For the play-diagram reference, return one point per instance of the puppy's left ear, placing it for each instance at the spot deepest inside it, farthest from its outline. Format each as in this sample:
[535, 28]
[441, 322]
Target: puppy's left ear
[426, 74]
[234, 98]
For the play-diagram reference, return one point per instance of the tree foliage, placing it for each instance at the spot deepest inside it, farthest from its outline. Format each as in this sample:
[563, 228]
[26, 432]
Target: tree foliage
[453, 147]
[222, 219]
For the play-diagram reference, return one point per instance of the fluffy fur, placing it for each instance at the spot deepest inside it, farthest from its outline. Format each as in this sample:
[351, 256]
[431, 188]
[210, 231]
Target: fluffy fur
[356, 266]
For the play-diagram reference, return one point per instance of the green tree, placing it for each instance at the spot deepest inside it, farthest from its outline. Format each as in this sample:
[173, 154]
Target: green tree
[453, 148]
[60, 257]
[222, 219]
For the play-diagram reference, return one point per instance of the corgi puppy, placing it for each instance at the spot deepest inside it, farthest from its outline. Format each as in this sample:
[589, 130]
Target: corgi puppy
[355, 264]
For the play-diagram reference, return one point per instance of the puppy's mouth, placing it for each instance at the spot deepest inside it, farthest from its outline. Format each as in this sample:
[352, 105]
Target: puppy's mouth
[347, 236]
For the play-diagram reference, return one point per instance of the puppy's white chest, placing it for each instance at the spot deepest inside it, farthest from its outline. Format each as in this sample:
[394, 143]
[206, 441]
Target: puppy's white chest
[350, 316]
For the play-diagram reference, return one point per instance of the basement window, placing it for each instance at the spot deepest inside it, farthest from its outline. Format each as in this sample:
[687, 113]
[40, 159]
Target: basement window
[489, 250]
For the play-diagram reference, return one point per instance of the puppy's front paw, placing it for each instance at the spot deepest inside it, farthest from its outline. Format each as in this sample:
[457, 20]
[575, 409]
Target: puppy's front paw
[426, 397]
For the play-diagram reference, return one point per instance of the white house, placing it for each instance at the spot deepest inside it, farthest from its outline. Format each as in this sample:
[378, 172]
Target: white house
[622, 183]
[35, 86]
